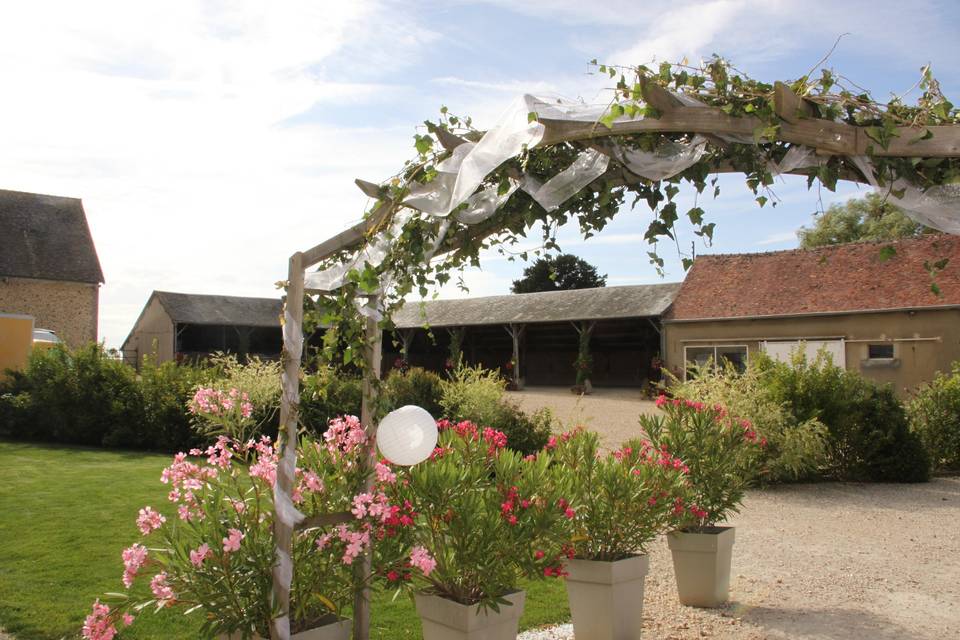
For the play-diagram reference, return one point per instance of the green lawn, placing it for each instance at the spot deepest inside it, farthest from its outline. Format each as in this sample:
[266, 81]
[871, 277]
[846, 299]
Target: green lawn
[65, 515]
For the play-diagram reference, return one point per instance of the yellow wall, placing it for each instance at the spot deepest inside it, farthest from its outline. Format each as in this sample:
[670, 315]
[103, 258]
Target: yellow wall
[152, 335]
[916, 360]
[68, 308]
[16, 339]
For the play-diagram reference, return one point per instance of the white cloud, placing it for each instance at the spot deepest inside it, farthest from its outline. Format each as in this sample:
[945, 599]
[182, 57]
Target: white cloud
[778, 238]
[166, 118]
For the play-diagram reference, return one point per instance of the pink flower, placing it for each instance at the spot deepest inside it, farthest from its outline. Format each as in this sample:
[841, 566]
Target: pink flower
[149, 520]
[97, 625]
[345, 434]
[133, 559]
[384, 474]
[161, 590]
[232, 542]
[127, 619]
[202, 553]
[312, 482]
[356, 542]
[421, 558]
[569, 513]
[661, 400]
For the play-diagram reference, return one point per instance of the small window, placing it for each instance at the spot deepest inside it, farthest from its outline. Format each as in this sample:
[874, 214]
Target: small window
[880, 351]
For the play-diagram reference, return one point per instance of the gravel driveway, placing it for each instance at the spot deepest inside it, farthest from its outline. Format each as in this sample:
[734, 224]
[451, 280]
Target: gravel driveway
[610, 412]
[816, 561]
[826, 561]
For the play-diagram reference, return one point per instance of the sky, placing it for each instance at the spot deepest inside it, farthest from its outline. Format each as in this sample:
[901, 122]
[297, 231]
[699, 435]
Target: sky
[210, 139]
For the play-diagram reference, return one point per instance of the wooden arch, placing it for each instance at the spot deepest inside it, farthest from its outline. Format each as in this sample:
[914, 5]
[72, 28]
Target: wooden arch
[798, 125]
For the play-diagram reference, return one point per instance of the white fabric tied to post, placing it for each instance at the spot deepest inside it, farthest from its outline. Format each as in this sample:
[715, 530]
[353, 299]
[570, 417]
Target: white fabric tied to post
[666, 161]
[938, 207]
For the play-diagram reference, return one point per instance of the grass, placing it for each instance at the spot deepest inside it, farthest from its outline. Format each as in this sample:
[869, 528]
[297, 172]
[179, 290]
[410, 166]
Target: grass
[65, 515]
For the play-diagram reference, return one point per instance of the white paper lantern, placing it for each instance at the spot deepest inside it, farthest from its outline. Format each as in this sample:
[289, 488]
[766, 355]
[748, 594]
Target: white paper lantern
[407, 436]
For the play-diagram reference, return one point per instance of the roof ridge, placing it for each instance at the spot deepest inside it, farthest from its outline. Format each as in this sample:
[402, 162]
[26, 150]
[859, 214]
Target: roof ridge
[829, 248]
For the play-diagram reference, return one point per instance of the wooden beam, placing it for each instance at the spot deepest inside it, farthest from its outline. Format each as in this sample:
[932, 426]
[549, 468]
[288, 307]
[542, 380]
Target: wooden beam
[450, 141]
[370, 189]
[663, 101]
[789, 106]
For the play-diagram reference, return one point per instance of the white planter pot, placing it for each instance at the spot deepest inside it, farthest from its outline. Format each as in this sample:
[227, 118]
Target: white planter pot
[448, 620]
[701, 563]
[340, 630]
[606, 598]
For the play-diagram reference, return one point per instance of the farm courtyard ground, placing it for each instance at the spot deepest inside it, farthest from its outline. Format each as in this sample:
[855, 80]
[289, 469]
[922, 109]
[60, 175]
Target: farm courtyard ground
[815, 561]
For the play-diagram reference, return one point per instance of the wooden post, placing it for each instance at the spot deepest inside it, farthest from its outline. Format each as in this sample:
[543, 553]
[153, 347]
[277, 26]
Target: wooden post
[516, 331]
[284, 513]
[406, 336]
[368, 409]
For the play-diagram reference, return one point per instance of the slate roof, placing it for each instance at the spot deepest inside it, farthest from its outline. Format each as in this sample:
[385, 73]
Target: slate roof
[193, 308]
[837, 279]
[550, 306]
[46, 237]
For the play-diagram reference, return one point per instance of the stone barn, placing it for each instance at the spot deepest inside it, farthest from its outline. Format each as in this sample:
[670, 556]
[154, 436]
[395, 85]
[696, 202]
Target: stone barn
[189, 326]
[49, 267]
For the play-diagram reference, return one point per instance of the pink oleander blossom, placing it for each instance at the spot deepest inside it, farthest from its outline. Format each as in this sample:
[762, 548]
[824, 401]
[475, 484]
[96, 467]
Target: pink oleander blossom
[232, 542]
[356, 542]
[149, 520]
[161, 590]
[421, 559]
[98, 625]
[384, 474]
[344, 435]
[133, 558]
[200, 554]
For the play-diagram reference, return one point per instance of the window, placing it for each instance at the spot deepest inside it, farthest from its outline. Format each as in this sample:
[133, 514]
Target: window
[700, 356]
[880, 351]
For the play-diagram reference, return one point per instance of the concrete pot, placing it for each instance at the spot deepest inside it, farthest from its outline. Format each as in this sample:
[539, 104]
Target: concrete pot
[606, 598]
[339, 630]
[448, 620]
[701, 563]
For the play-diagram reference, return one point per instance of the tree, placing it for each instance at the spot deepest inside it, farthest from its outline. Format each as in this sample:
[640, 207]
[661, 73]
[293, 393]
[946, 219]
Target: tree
[559, 273]
[869, 218]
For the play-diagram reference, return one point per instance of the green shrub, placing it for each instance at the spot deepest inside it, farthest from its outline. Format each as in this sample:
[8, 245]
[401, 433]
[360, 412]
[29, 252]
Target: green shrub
[326, 394]
[477, 395]
[414, 386]
[73, 397]
[259, 379]
[934, 414]
[869, 438]
[165, 389]
[796, 450]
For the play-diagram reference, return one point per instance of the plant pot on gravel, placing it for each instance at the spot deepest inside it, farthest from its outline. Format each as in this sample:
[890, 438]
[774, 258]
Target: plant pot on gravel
[606, 598]
[444, 619]
[623, 501]
[701, 564]
[722, 454]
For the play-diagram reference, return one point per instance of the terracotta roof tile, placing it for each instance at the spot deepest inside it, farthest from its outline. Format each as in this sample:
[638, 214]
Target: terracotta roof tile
[840, 278]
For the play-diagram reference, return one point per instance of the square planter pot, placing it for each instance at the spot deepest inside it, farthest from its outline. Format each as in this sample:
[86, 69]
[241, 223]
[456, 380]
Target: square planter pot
[338, 630]
[606, 598]
[448, 620]
[701, 563]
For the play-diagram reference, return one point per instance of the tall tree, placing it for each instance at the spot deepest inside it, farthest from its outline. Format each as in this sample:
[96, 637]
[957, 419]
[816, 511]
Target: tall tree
[869, 218]
[556, 273]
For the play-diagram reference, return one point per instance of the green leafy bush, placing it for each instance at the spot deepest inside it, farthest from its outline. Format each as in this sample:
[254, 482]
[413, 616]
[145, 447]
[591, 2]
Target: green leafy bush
[869, 438]
[934, 414]
[796, 450]
[414, 386]
[477, 395]
[259, 379]
[326, 394]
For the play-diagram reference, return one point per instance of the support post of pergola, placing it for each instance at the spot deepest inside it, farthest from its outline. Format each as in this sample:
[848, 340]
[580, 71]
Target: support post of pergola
[584, 328]
[516, 332]
[406, 341]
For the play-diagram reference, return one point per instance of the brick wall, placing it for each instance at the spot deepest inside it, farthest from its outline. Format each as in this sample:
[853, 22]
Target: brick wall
[69, 308]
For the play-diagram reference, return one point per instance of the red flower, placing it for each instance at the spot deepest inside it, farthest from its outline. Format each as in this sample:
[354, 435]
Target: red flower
[538, 554]
[393, 576]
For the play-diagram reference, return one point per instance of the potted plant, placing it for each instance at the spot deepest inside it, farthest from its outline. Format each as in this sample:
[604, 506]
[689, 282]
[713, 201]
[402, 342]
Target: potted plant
[213, 549]
[721, 453]
[625, 500]
[474, 520]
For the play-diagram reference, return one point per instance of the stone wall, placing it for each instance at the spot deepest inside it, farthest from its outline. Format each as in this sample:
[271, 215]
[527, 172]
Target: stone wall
[68, 308]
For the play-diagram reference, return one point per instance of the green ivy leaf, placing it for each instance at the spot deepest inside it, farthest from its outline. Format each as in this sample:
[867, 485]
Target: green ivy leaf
[887, 252]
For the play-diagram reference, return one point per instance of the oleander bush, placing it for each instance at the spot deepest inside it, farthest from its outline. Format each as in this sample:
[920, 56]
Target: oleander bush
[934, 413]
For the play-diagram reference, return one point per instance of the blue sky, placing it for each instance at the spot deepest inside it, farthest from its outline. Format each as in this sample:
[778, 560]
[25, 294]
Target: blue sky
[211, 139]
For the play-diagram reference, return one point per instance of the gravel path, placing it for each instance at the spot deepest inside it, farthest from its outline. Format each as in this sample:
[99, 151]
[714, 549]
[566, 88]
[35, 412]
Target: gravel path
[826, 561]
[610, 412]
